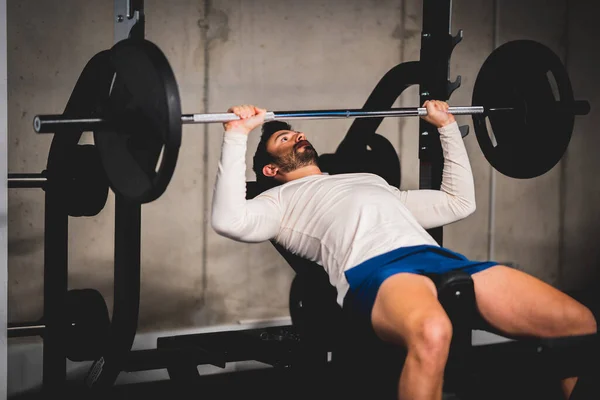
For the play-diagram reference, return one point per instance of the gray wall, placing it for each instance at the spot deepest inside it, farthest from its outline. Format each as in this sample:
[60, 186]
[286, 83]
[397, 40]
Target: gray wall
[580, 189]
[289, 55]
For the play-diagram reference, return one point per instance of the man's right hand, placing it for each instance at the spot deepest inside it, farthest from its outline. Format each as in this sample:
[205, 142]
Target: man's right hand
[437, 113]
[250, 118]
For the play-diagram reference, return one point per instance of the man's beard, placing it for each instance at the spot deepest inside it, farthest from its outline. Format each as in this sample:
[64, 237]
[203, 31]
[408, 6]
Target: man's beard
[296, 159]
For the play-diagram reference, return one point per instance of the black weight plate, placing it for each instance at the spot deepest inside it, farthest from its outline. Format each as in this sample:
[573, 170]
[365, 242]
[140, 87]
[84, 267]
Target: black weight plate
[380, 158]
[90, 327]
[139, 151]
[531, 139]
[89, 95]
[88, 187]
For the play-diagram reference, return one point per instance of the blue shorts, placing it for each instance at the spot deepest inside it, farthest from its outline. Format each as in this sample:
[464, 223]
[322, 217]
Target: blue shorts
[366, 278]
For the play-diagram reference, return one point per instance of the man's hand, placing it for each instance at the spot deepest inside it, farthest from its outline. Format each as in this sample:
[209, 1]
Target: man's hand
[250, 118]
[437, 114]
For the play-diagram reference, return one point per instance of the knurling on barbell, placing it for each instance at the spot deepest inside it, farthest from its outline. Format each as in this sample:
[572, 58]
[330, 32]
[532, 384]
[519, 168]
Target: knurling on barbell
[522, 92]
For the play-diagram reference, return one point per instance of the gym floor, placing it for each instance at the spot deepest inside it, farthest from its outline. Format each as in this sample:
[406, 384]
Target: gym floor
[271, 384]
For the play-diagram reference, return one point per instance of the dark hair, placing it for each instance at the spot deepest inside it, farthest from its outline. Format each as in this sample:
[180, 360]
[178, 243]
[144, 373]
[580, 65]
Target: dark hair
[262, 157]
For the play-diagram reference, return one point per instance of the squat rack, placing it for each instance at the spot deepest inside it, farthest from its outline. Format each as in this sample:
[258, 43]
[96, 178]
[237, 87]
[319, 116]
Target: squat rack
[130, 21]
[431, 73]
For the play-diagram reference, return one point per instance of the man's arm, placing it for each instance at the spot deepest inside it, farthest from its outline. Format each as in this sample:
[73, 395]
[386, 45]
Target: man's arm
[233, 216]
[456, 198]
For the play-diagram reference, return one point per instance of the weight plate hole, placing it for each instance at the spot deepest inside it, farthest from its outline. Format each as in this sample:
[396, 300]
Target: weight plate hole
[160, 157]
[553, 85]
[87, 137]
[490, 132]
[112, 84]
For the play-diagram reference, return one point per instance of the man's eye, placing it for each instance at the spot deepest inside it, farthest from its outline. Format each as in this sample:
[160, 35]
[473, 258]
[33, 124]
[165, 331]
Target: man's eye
[283, 139]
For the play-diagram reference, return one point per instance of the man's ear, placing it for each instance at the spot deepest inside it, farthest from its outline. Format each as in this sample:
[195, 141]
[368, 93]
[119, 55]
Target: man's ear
[270, 170]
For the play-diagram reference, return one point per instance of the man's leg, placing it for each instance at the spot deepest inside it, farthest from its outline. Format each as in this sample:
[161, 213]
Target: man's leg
[520, 304]
[407, 312]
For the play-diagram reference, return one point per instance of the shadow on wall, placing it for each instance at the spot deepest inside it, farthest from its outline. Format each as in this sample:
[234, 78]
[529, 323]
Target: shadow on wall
[580, 265]
[25, 263]
[25, 245]
[19, 244]
[163, 305]
[172, 296]
[177, 297]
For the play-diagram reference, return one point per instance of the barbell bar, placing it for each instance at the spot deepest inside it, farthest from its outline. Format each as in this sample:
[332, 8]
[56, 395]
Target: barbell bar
[52, 123]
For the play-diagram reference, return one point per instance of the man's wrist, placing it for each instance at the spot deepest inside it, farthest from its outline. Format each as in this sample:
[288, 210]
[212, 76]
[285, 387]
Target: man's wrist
[237, 131]
[446, 122]
[448, 128]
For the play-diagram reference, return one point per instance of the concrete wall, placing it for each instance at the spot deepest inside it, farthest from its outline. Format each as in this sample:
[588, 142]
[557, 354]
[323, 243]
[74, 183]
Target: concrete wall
[289, 55]
[580, 213]
[528, 212]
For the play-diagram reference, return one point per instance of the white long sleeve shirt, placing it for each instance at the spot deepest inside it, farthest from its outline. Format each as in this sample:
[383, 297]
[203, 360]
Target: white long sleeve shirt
[339, 221]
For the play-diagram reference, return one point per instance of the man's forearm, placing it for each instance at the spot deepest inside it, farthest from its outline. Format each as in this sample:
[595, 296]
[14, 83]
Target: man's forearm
[233, 216]
[456, 198]
[230, 186]
[457, 176]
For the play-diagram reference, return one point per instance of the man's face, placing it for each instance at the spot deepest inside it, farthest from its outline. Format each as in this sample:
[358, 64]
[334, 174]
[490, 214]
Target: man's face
[291, 150]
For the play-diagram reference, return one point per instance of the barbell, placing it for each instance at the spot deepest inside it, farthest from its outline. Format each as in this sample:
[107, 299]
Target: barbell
[51, 123]
[522, 90]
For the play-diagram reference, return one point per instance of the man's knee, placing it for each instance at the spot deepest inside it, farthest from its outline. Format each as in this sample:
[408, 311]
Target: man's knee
[578, 320]
[430, 337]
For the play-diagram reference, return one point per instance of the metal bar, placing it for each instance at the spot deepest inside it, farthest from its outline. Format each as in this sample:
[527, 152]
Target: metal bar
[56, 255]
[434, 63]
[27, 329]
[3, 198]
[27, 180]
[329, 114]
[127, 261]
[51, 123]
[126, 16]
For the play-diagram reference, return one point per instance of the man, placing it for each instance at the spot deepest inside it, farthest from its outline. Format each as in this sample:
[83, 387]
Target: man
[371, 240]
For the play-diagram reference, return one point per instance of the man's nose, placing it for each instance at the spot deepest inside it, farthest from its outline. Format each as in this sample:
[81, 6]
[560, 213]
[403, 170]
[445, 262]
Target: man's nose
[300, 136]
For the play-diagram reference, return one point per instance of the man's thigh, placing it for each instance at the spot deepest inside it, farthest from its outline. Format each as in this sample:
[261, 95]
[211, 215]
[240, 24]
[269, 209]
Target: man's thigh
[519, 304]
[403, 301]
